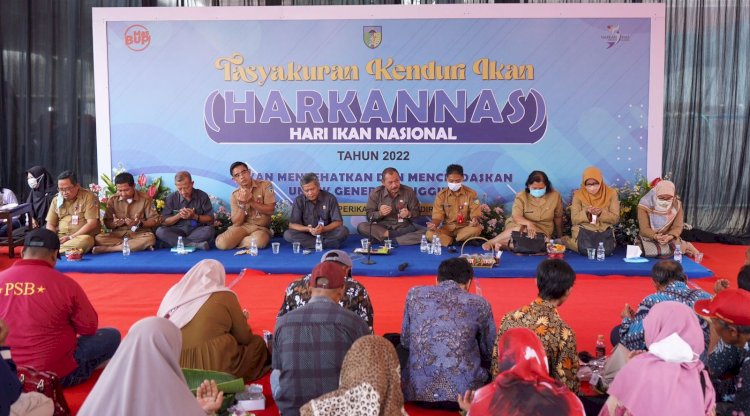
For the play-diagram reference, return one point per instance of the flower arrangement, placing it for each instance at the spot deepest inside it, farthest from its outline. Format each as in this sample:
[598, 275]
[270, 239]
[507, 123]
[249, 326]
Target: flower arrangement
[492, 219]
[280, 217]
[222, 217]
[154, 189]
[630, 194]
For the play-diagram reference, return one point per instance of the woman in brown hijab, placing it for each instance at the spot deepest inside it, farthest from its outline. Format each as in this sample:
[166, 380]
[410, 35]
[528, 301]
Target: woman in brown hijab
[595, 206]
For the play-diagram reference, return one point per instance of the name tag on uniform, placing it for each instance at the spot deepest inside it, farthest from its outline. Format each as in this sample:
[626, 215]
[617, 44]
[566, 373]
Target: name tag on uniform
[74, 219]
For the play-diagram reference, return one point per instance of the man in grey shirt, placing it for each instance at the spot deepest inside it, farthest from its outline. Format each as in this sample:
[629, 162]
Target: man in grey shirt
[188, 214]
[315, 212]
[391, 208]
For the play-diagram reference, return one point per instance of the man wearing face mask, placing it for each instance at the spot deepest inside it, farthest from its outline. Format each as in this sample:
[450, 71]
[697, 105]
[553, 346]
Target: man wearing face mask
[43, 191]
[456, 211]
[129, 214]
[73, 214]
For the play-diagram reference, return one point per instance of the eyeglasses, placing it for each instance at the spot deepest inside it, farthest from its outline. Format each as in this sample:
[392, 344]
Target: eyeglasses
[66, 190]
[240, 173]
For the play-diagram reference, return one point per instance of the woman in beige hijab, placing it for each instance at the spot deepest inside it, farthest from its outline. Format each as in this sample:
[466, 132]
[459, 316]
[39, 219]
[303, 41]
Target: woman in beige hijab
[369, 384]
[215, 333]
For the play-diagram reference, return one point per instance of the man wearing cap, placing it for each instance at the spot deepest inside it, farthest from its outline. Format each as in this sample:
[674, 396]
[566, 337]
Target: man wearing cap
[54, 324]
[355, 296]
[390, 210]
[310, 342]
[74, 214]
[729, 313]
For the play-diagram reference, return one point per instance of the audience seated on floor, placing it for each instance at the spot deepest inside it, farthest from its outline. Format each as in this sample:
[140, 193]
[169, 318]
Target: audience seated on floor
[54, 326]
[523, 386]
[355, 297]
[660, 221]
[370, 383]
[729, 312]
[187, 213]
[145, 378]
[43, 191]
[669, 379]
[310, 342]
[13, 401]
[595, 208]
[215, 332]
[455, 211]
[554, 280]
[448, 333]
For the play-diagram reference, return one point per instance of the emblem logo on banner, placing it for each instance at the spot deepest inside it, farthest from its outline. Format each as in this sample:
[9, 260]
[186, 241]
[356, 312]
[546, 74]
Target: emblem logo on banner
[614, 36]
[372, 36]
[137, 38]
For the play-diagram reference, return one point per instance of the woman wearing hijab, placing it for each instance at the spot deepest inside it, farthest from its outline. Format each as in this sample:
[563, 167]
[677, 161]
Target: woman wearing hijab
[595, 207]
[669, 379]
[215, 333]
[660, 217]
[43, 191]
[369, 384]
[144, 377]
[523, 387]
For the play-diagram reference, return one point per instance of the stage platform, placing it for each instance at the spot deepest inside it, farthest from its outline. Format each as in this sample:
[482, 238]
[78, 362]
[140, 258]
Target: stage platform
[417, 264]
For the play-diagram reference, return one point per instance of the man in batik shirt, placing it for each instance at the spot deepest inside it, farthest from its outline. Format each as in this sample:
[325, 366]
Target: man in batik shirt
[355, 296]
[554, 279]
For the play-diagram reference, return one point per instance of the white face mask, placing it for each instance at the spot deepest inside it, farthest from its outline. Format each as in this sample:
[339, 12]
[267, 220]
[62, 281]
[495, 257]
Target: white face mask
[454, 186]
[662, 205]
[34, 182]
[673, 349]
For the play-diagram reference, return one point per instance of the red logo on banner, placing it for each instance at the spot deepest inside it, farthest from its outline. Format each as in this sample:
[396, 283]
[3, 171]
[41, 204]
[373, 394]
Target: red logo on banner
[137, 38]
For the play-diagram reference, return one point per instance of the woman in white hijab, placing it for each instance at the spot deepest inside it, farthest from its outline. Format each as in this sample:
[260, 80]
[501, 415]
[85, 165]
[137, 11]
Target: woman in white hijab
[144, 377]
[215, 332]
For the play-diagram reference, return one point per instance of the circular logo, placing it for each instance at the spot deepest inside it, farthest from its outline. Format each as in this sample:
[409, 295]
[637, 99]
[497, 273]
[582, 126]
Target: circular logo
[137, 38]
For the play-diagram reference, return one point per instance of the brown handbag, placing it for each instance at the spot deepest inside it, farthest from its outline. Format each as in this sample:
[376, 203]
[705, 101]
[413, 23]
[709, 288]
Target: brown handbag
[44, 382]
[654, 249]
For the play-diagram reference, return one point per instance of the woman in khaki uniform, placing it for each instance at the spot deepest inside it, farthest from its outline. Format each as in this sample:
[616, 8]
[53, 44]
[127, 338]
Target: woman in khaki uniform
[215, 333]
[537, 209]
[595, 206]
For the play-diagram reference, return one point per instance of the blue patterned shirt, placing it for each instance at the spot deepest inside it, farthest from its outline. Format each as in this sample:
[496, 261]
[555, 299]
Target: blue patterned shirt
[729, 366]
[631, 331]
[449, 334]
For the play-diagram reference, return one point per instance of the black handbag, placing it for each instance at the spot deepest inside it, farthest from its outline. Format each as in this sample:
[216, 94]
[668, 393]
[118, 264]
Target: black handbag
[590, 239]
[522, 244]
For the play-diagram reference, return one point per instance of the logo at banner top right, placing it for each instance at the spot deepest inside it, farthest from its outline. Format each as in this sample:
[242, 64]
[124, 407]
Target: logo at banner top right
[613, 36]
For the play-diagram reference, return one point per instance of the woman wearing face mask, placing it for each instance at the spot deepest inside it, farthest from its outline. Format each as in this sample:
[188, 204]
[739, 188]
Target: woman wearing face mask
[43, 191]
[537, 209]
[660, 217]
[595, 206]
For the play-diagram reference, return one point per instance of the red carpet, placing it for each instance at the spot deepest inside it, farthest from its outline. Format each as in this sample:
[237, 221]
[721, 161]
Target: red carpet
[593, 308]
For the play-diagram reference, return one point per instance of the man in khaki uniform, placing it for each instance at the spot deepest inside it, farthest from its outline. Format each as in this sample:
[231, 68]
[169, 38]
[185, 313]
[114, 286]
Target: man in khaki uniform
[252, 204]
[456, 211]
[129, 214]
[73, 214]
[390, 209]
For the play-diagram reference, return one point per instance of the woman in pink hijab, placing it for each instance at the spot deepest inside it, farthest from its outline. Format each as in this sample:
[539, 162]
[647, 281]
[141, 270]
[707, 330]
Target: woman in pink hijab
[215, 332]
[669, 379]
[660, 217]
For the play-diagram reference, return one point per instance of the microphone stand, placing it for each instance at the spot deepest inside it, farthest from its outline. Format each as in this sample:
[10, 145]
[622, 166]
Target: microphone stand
[368, 260]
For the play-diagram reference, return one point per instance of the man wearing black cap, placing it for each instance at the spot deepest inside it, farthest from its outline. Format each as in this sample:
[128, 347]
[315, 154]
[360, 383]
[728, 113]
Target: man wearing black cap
[310, 342]
[355, 296]
[54, 325]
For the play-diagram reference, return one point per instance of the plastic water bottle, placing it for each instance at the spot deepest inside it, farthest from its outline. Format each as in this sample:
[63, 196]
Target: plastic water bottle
[677, 254]
[600, 252]
[125, 247]
[437, 249]
[253, 247]
[423, 244]
[601, 349]
[318, 243]
[180, 245]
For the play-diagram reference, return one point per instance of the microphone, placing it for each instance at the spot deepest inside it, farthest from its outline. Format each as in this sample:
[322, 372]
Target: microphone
[403, 266]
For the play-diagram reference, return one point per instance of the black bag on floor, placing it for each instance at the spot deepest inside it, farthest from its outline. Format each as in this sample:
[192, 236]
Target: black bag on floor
[591, 239]
[521, 243]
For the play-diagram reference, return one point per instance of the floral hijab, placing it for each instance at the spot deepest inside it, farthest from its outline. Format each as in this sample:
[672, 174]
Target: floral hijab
[524, 387]
[369, 384]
